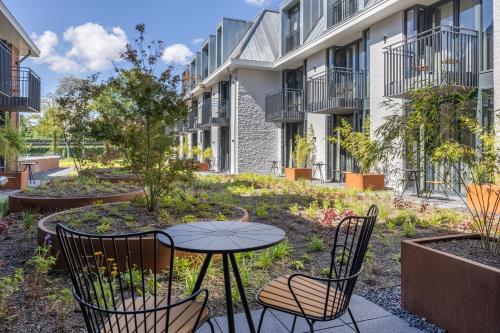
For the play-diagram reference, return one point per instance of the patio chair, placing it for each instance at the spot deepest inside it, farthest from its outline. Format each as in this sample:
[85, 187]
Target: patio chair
[324, 299]
[123, 283]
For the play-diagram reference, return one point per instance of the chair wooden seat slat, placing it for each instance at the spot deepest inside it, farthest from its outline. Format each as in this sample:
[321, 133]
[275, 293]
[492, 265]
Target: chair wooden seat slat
[322, 299]
[182, 318]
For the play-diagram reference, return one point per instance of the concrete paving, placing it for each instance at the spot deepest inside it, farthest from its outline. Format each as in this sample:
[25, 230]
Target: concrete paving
[370, 317]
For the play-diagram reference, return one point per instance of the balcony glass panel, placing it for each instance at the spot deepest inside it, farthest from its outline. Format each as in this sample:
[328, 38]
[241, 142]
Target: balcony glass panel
[286, 105]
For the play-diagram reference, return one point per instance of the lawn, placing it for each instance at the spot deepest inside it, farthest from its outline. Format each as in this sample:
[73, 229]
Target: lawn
[38, 297]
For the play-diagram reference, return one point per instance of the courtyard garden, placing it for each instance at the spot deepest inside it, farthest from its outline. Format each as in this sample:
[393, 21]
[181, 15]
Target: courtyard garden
[307, 213]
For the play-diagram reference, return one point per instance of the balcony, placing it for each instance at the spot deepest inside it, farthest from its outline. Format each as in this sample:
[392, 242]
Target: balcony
[285, 106]
[442, 56]
[337, 91]
[24, 91]
[206, 113]
[179, 127]
[5, 69]
[341, 10]
[292, 41]
[192, 120]
[221, 113]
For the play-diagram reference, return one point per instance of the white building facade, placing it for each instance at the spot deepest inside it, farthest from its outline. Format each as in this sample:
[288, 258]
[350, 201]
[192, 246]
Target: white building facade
[256, 84]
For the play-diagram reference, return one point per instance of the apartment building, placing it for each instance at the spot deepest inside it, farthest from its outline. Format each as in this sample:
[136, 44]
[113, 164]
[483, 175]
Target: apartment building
[331, 61]
[19, 85]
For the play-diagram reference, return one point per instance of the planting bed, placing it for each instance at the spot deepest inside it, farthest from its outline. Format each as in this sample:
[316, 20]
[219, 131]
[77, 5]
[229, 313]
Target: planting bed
[307, 214]
[71, 192]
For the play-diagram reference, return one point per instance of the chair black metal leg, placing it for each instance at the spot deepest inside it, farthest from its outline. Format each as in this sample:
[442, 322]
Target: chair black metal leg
[293, 325]
[241, 290]
[203, 272]
[261, 319]
[211, 326]
[353, 321]
[311, 326]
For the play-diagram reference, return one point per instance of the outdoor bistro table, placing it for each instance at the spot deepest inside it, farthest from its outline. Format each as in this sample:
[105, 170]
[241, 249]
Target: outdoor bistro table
[225, 238]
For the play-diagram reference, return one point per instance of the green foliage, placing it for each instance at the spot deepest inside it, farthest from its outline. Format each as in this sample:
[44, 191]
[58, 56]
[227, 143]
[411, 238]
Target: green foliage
[294, 209]
[315, 244]
[207, 154]
[28, 218]
[104, 226]
[188, 219]
[9, 285]
[297, 265]
[325, 272]
[133, 279]
[261, 210]
[4, 207]
[358, 144]
[42, 261]
[409, 229]
[11, 144]
[304, 147]
[135, 109]
[342, 258]
[445, 217]
[312, 211]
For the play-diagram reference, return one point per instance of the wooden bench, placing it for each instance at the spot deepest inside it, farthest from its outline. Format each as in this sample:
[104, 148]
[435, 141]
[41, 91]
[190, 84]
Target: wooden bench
[438, 183]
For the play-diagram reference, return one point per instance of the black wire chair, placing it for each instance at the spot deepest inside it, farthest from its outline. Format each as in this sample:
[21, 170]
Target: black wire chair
[123, 283]
[323, 299]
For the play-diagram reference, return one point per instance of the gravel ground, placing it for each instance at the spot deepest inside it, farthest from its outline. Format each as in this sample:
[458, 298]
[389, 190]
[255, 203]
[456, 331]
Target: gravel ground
[471, 249]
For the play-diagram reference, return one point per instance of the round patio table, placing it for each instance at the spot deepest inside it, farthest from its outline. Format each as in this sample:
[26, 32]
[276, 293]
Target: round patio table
[225, 238]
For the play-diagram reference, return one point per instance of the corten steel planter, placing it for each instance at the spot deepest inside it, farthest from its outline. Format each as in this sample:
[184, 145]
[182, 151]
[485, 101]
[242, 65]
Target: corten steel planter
[17, 180]
[43, 163]
[362, 181]
[203, 167]
[298, 173]
[117, 178]
[45, 232]
[455, 293]
[18, 203]
[483, 196]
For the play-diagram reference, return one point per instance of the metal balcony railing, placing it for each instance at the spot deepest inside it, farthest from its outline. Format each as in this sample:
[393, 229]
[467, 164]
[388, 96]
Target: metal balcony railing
[487, 52]
[179, 127]
[25, 91]
[440, 56]
[192, 120]
[285, 106]
[206, 112]
[221, 113]
[292, 41]
[341, 10]
[336, 90]
[5, 69]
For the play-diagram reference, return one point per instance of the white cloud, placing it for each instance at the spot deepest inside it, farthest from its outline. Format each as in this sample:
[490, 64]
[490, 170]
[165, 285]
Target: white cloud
[260, 3]
[177, 54]
[92, 48]
[198, 40]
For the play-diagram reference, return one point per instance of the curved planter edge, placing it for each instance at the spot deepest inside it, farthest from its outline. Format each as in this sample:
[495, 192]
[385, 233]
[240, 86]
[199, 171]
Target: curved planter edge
[46, 204]
[43, 231]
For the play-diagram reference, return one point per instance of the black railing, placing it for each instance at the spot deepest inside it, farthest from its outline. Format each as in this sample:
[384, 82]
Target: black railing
[341, 10]
[179, 126]
[192, 120]
[292, 41]
[440, 56]
[337, 89]
[221, 113]
[487, 52]
[285, 105]
[5, 69]
[25, 91]
[206, 112]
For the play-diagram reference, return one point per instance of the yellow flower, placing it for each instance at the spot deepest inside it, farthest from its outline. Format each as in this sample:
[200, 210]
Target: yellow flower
[98, 253]
[111, 259]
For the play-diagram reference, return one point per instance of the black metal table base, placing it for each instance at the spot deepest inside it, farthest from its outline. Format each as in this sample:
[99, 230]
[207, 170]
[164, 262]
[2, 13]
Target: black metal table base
[228, 259]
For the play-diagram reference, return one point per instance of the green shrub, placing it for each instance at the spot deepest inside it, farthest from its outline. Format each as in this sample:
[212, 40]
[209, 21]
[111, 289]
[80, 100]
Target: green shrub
[294, 209]
[409, 229]
[28, 218]
[297, 265]
[312, 211]
[188, 219]
[315, 244]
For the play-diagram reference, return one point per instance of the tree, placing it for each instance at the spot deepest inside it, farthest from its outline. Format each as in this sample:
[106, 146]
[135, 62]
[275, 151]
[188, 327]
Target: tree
[304, 148]
[75, 96]
[439, 130]
[49, 126]
[136, 108]
[11, 143]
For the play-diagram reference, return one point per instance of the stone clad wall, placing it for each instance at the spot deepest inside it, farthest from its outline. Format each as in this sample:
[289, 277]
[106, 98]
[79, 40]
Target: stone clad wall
[257, 140]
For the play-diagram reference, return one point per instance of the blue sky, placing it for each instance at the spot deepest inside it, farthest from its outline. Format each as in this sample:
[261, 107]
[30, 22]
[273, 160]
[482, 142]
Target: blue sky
[78, 37]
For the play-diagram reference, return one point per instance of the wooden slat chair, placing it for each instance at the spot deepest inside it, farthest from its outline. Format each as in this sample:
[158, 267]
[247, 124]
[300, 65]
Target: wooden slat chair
[118, 292]
[324, 299]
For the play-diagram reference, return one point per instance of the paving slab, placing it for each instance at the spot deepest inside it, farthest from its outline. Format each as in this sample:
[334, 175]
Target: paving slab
[370, 317]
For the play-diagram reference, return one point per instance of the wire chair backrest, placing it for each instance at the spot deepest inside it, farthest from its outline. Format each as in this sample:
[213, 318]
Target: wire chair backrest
[123, 283]
[349, 248]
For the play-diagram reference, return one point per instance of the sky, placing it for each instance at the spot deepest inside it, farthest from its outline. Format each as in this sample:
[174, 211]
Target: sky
[80, 37]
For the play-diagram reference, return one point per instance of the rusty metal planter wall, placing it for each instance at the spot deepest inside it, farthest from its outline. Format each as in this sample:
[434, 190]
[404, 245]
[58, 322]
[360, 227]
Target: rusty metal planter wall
[454, 293]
